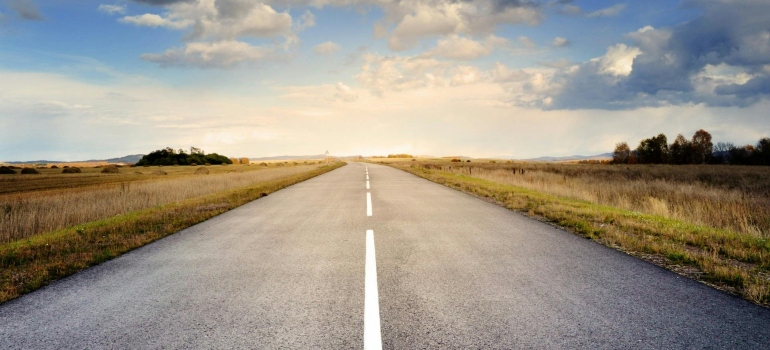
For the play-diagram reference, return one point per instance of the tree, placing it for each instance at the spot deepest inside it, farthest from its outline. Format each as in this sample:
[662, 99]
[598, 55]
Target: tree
[681, 151]
[721, 154]
[622, 152]
[168, 156]
[653, 150]
[701, 147]
[762, 151]
[741, 155]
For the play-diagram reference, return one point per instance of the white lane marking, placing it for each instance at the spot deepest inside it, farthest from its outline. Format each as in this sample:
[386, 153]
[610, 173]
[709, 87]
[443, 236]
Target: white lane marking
[367, 176]
[367, 184]
[368, 204]
[372, 334]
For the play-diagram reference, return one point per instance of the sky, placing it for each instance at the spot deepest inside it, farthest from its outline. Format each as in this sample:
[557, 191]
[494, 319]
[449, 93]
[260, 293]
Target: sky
[483, 78]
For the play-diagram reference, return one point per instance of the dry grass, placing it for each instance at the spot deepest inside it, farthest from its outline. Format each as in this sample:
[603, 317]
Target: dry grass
[706, 222]
[26, 214]
[726, 197]
[117, 218]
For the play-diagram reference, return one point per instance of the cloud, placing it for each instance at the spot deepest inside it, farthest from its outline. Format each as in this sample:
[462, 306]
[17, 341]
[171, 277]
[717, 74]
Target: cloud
[155, 21]
[26, 9]
[721, 58]
[560, 42]
[344, 93]
[162, 2]
[574, 10]
[217, 29]
[221, 54]
[307, 20]
[462, 48]
[112, 9]
[381, 74]
[326, 48]
[417, 20]
[607, 12]
[618, 60]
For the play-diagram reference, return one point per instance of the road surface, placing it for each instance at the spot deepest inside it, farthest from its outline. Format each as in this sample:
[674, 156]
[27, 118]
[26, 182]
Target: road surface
[370, 256]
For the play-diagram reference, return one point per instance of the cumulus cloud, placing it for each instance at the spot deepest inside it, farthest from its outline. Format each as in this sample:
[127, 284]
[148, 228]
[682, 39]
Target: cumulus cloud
[26, 9]
[618, 60]
[217, 29]
[112, 9]
[417, 20]
[220, 54]
[721, 58]
[326, 48]
[155, 21]
[381, 74]
[466, 49]
[560, 42]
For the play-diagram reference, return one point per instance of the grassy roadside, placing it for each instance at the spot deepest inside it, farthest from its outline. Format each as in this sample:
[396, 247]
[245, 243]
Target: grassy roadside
[26, 265]
[737, 263]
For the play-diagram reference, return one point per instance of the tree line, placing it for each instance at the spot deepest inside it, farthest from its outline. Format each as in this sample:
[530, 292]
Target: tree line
[170, 156]
[697, 150]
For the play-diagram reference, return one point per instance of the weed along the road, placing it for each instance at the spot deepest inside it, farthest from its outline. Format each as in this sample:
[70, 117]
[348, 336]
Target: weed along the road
[709, 223]
[50, 234]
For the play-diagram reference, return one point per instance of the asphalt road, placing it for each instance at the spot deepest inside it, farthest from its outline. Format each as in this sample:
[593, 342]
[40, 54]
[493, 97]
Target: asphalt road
[295, 270]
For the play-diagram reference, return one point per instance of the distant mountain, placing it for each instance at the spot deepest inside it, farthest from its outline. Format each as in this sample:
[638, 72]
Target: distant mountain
[318, 156]
[126, 159]
[570, 158]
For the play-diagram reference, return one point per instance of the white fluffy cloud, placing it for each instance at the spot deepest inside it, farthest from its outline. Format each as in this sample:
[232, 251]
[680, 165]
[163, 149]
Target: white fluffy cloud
[217, 29]
[326, 48]
[414, 20]
[462, 48]
[112, 9]
[155, 21]
[560, 42]
[618, 60]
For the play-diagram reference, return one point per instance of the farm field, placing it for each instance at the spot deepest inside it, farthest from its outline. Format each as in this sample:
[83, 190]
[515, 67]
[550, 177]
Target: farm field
[54, 224]
[91, 174]
[711, 223]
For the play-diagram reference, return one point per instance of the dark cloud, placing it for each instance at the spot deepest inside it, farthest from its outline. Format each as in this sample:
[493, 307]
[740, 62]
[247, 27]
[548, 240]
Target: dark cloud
[26, 9]
[750, 89]
[675, 63]
[233, 8]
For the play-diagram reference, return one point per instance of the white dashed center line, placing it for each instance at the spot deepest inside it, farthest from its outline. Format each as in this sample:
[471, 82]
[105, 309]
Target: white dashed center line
[368, 204]
[372, 334]
[367, 184]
